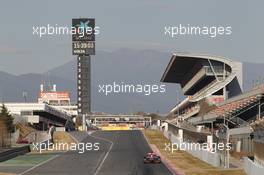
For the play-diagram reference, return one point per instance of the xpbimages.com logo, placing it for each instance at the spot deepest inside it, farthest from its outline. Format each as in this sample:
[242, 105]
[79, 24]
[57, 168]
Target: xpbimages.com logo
[121, 87]
[183, 146]
[184, 30]
[81, 29]
[60, 146]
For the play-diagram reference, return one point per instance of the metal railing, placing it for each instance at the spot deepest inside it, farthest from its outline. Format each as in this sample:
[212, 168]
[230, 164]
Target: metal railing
[217, 69]
[212, 88]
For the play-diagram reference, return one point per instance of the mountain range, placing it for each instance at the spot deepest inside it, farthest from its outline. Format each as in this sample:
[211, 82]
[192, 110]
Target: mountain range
[143, 67]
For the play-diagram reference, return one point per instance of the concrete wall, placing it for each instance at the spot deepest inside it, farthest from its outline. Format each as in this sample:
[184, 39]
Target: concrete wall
[60, 129]
[245, 142]
[251, 168]
[207, 156]
[188, 134]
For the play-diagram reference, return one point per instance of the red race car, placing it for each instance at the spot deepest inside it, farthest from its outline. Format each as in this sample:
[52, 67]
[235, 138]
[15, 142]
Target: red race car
[152, 158]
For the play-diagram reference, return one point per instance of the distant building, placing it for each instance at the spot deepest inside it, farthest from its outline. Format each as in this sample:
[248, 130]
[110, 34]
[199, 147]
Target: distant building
[58, 99]
[53, 108]
[54, 97]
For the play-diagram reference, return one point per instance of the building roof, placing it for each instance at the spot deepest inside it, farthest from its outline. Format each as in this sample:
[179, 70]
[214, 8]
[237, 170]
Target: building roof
[181, 63]
[16, 108]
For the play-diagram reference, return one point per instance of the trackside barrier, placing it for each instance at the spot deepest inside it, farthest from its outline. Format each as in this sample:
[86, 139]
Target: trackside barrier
[9, 154]
[60, 129]
[251, 168]
[207, 156]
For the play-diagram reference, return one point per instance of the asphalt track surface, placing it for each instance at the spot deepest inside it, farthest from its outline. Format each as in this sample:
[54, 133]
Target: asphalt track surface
[120, 153]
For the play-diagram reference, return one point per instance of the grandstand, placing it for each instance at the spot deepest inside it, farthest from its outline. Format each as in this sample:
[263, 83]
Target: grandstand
[214, 99]
[203, 78]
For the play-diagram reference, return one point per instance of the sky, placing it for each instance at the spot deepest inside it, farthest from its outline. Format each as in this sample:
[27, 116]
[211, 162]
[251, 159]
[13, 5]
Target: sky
[132, 24]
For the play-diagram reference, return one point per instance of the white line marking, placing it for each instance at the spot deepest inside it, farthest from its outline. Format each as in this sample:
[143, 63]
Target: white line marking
[106, 155]
[98, 168]
[26, 171]
[38, 165]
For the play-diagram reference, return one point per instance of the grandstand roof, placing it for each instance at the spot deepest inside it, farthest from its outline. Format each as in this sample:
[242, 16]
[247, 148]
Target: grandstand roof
[16, 108]
[181, 63]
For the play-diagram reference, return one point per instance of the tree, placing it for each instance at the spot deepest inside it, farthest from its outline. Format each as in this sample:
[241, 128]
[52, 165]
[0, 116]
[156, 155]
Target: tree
[78, 121]
[7, 118]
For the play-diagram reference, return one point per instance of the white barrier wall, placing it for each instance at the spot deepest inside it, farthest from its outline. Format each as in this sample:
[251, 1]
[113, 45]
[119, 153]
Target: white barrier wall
[252, 168]
[210, 142]
[158, 122]
[60, 128]
[207, 156]
[180, 133]
[165, 126]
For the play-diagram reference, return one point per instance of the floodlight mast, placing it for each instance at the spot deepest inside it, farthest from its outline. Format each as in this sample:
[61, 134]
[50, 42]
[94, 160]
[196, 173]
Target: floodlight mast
[227, 152]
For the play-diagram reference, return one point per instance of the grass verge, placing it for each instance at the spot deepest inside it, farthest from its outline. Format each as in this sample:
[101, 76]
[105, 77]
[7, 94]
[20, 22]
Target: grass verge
[185, 162]
[27, 160]
[60, 138]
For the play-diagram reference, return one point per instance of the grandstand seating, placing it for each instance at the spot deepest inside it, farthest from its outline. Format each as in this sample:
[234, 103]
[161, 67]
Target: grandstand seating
[235, 106]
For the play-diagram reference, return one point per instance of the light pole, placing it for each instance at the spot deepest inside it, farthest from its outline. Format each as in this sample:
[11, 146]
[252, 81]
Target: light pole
[178, 102]
[260, 105]
[227, 142]
[227, 157]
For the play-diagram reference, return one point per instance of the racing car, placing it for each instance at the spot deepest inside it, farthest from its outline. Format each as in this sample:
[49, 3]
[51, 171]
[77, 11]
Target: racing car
[152, 158]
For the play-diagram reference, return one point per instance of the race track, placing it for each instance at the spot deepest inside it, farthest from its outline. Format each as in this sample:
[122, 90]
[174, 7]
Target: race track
[120, 153]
